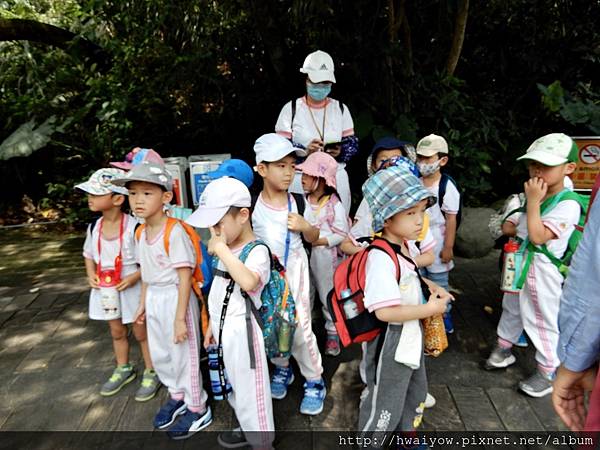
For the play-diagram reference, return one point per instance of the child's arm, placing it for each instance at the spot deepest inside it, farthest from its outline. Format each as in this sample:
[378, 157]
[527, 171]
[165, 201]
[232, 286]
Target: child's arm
[447, 252]
[424, 259]
[183, 298]
[509, 229]
[241, 274]
[299, 224]
[404, 313]
[129, 280]
[535, 191]
[348, 247]
[140, 314]
[90, 269]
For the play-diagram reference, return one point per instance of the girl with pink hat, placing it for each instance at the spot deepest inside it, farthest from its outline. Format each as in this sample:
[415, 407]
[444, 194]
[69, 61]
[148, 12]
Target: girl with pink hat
[326, 212]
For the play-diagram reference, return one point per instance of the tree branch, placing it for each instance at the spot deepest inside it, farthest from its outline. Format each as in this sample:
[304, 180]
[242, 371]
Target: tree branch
[31, 30]
[458, 38]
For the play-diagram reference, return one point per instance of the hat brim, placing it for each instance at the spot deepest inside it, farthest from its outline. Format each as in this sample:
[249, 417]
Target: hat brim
[398, 204]
[124, 165]
[430, 152]
[123, 182]
[85, 187]
[280, 155]
[319, 76]
[544, 158]
[207, 217]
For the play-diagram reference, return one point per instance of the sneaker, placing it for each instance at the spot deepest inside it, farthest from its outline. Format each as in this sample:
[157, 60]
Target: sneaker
[537, 385]
[332, 345]
[168, 412]
[232, 439]
[120, 377]
[314, 398]
[448, 324]
[149, 386]
[522, 342]
[500, 358]
[190, 423]
[429, 401]
[282, 378]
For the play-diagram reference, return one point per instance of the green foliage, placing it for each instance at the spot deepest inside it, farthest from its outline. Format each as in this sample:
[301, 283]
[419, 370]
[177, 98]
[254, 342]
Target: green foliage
[191, 77]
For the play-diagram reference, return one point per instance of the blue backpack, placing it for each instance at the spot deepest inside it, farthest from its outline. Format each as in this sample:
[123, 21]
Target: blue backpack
[277, 314]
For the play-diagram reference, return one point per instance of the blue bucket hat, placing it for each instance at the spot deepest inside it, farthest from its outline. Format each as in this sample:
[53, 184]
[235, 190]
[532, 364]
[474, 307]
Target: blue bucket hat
[391, 191]
[234, 168]
[388, 143]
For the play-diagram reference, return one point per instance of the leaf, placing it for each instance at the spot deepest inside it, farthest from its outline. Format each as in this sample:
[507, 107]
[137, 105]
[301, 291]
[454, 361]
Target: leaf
[26, 139]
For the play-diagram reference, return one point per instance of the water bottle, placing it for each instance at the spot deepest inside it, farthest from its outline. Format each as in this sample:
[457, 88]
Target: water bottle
[510, 269]
[283, 342]
[351, 309]
[213, 371]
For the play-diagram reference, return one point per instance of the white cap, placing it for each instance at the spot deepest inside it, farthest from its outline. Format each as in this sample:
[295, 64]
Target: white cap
[319, 67]
[218, 196]
[432, 144]
[273, 147]
[552, 150]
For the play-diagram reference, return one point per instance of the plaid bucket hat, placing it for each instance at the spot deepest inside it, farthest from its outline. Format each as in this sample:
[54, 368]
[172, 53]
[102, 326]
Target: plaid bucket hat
[391, 191]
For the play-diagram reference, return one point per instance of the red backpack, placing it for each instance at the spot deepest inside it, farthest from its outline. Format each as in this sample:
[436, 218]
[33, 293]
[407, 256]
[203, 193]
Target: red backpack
[353, 322]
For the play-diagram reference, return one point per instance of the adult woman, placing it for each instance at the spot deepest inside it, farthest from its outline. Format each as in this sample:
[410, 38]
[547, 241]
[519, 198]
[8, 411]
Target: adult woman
[316, 122]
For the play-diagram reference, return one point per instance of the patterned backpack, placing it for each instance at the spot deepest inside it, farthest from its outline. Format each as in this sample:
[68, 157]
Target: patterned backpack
[277, 315]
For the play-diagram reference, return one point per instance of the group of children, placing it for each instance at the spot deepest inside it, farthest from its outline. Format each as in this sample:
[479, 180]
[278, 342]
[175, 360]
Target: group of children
[144, 274]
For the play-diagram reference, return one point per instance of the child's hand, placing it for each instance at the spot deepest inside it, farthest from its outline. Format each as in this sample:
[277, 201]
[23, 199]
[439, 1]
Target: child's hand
[447, 254]
[297, 223]
[535, 190]
[334, 150]
[140, 315]
[316, 145]
[208, 338]
[93, 281]
[441, 292]
[438, 304]
[180, 331]
[128, 281]
[217, 238]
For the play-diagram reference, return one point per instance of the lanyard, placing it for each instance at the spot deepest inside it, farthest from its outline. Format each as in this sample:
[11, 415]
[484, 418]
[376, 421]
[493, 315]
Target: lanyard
[118, 259]
[222, 380]
[321, 134]
[288, 236]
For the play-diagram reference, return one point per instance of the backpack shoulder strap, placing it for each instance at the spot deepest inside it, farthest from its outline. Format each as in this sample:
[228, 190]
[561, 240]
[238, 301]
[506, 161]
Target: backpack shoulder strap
[293, 102]
[442, 188]
[384, 246]
[300, 203]
[341, 107]
[138, 231]
[251, 246]
[171, 222]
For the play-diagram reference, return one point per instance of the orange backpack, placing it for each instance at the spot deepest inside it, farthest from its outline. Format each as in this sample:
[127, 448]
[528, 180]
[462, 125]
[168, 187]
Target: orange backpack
[197, 276]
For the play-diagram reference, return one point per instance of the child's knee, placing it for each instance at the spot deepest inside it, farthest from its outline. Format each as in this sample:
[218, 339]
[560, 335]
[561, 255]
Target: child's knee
[118, 331]
[139, 331]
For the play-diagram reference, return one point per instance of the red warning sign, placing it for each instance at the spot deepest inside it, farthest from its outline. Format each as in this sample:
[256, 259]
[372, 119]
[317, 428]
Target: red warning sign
[588, 166]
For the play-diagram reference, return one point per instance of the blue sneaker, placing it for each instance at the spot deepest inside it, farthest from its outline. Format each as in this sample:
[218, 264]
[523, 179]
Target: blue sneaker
[314, 397]
[190, 423]
[522, 342]
[168, 412]
[282, 378]
[448, 324]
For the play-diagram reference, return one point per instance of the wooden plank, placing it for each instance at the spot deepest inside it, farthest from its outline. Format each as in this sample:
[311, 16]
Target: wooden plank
[104, 414]
[44, 300]
[545, 412]
[444, 415]
[475, 409]
[21, 318]
[38, 358]
[139, 416]
[20, 302]
[513, 409]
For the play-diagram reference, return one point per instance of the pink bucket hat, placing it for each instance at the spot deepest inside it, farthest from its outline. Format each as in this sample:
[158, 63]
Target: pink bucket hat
[138, 155]
[320, 164]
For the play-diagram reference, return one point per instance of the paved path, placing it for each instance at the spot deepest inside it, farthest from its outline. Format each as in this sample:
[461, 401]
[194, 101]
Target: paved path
[53, 359]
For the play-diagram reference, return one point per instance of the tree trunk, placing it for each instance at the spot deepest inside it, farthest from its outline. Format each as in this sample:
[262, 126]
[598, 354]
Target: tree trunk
[460, 26]
[31, 30]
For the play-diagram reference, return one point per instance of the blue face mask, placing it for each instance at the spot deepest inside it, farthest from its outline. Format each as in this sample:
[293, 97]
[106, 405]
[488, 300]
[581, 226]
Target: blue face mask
[318, 92]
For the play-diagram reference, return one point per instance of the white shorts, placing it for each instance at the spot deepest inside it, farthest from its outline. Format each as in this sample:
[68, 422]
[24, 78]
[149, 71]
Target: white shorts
[130, 300]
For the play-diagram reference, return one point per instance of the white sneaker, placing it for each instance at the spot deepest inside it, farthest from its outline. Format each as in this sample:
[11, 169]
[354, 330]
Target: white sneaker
[537, 385]
[429, 401]
[500, 358]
